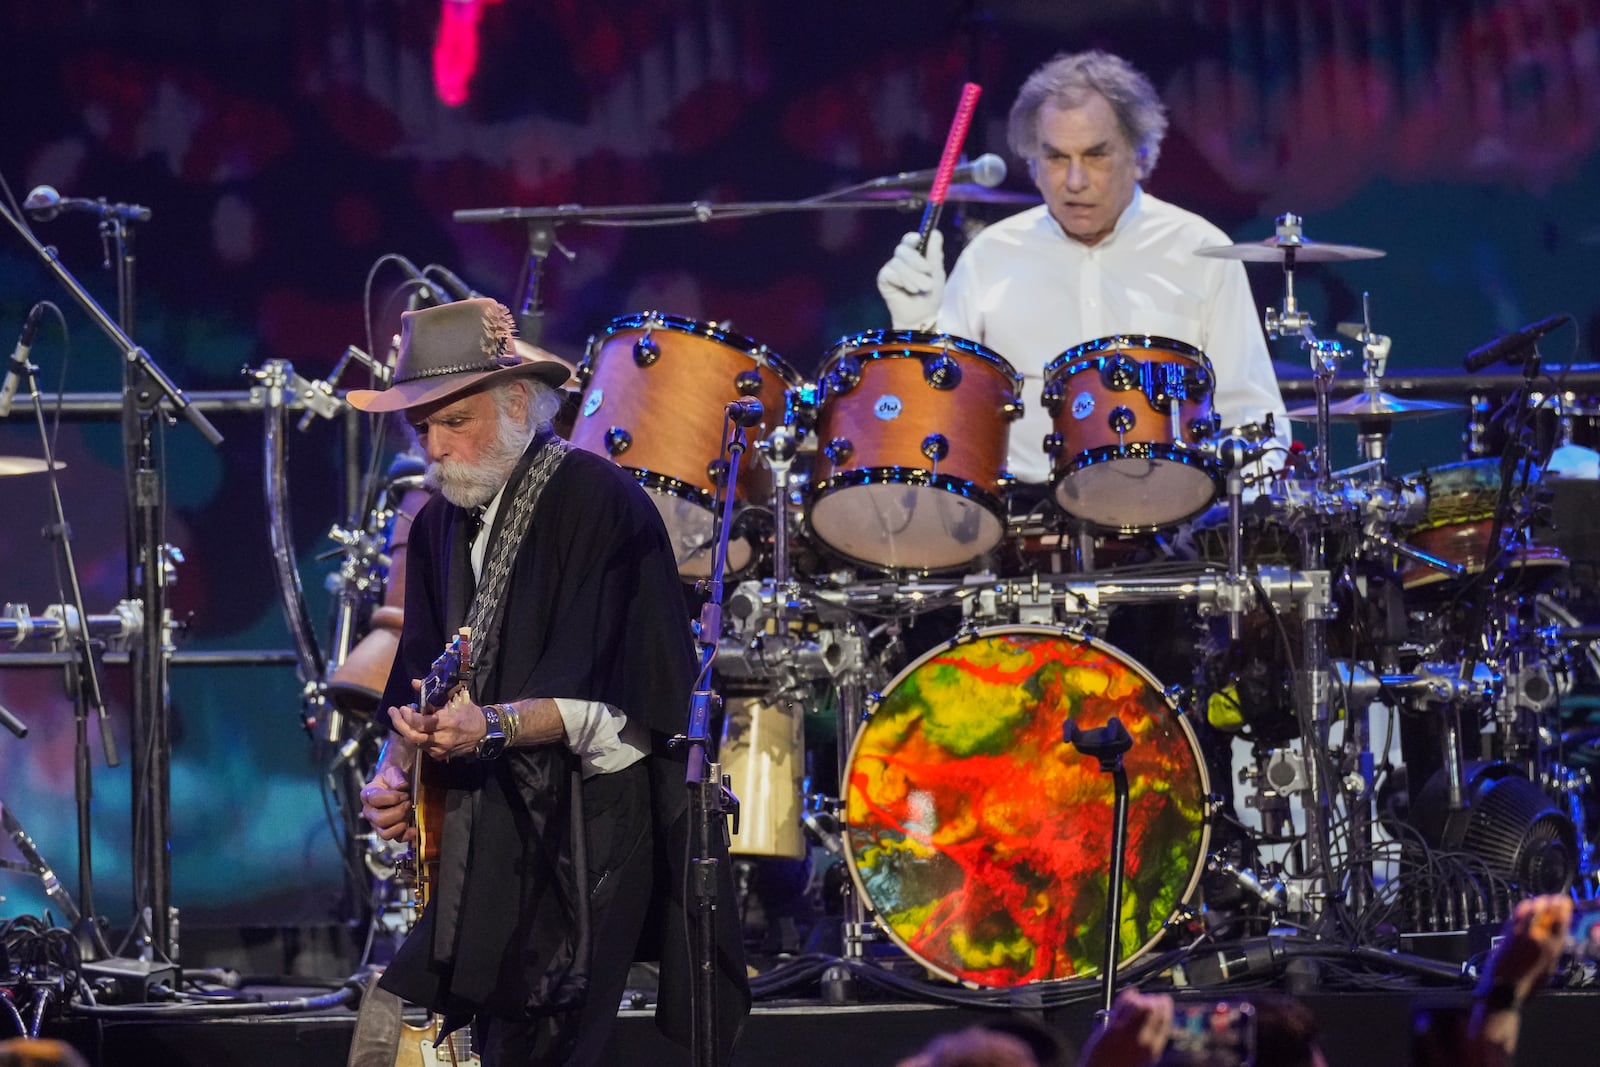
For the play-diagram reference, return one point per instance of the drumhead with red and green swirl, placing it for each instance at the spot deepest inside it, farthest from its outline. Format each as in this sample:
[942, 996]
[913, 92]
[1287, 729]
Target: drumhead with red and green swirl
[983, 842]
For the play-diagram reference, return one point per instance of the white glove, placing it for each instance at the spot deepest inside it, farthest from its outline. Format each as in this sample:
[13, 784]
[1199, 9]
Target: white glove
[912, 284]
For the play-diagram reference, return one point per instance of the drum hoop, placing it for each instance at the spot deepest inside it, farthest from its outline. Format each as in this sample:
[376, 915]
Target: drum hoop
[918, 476]
[666, 483]
[1164, 451]
[757, 351]
[1122, 341]
[1115, 653]
[897, 344]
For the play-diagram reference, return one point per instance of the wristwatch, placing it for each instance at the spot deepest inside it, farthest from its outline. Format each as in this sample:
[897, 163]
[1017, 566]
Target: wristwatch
[493, 742]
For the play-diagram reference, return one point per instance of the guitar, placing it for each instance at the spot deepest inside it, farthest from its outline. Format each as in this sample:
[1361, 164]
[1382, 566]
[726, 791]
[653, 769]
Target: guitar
[419, 1045]
[448, 673]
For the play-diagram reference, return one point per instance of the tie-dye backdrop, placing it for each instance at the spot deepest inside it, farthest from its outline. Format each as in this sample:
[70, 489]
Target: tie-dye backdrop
[284, 146]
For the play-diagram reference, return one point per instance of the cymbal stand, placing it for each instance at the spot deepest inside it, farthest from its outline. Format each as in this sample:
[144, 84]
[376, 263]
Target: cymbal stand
[1313, 681]
[87, 697]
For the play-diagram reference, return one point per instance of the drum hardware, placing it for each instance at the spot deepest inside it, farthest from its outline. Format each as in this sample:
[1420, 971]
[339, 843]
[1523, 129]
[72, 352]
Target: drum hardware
[1273, 895]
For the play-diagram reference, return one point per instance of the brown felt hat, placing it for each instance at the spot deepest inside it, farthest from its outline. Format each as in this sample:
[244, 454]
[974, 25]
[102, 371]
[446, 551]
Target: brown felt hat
[452, 349]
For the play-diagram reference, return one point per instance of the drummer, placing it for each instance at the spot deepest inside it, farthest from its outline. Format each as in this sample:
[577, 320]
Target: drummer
[1099, 257]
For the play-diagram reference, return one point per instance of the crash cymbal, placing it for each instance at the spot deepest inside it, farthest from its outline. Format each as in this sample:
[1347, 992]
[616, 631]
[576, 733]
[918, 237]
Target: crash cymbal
[24, 465]
[966, 193]
[1375, 407]
[1276, 250]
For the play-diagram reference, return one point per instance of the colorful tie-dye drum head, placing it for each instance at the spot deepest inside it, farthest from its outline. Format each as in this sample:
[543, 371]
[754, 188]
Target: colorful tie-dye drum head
[983, 843]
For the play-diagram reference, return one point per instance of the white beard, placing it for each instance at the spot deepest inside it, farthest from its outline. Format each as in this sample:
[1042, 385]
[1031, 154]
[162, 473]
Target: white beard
[474, 485]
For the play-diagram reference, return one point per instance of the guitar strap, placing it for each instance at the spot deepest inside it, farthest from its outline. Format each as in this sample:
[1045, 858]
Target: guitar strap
[376, 1041]
[488, 601]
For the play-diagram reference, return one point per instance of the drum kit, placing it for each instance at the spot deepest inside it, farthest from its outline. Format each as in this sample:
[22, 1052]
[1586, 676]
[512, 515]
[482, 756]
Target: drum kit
[886, 573]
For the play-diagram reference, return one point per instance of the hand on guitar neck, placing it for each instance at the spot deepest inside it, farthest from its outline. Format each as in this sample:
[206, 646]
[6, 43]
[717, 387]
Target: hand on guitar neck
[444, 723]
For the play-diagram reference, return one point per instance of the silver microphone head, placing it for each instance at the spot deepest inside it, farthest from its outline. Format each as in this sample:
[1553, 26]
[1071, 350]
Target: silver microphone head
[988, 170]
[43, 203]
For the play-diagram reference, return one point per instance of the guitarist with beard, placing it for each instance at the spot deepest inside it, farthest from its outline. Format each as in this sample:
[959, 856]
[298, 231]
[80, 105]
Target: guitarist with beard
[562, 827]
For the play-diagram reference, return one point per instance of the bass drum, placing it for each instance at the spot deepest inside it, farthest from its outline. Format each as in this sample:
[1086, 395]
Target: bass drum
[982, 841]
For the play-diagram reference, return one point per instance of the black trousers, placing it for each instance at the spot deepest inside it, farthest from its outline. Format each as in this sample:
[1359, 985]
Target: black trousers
[616, 811]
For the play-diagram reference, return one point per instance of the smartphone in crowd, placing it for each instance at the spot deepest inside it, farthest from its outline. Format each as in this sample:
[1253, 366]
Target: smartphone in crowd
[1211, 1033]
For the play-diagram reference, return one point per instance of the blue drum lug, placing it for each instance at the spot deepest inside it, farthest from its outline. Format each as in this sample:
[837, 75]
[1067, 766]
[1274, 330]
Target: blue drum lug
[618, 440]
[717, 472]
[1012, 409]
[936, 447]
[1053, 444]
[941, 371]
[1120, 374]
[839, 450]
[1120, 419]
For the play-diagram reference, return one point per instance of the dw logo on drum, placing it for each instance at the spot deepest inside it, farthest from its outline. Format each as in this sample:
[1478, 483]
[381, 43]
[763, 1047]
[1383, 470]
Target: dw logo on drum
[888, 407]
[1083, 405]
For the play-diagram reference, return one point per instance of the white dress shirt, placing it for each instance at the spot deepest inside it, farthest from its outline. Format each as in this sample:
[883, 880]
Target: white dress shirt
[1029, 292]
[603, 737]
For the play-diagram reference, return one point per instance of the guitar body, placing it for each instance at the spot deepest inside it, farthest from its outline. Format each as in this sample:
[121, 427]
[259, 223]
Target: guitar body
[419, 1045]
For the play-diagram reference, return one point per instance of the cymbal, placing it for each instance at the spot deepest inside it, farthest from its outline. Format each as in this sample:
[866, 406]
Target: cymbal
[965, 192]
[24, 465]
[1276, 250]
[1375, 407]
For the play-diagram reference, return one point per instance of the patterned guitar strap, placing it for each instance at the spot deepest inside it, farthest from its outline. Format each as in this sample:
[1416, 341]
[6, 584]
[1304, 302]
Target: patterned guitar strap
[488, 600]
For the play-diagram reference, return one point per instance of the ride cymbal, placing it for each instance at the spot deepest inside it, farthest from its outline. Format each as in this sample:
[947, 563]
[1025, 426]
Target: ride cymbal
[1373, 407]
[1277, 249]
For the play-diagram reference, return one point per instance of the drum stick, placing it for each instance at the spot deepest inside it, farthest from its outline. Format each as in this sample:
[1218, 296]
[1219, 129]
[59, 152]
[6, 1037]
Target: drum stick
[947, 163]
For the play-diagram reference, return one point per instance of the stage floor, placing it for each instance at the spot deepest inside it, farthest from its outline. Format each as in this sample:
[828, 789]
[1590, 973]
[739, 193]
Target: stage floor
[1357, 1030]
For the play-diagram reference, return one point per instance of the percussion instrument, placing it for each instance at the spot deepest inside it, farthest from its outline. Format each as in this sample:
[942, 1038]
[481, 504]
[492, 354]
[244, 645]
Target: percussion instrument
[762, 753]
[982, 841]
[913, 431]
[656, 388]
[1129, 412]
[1459, 520]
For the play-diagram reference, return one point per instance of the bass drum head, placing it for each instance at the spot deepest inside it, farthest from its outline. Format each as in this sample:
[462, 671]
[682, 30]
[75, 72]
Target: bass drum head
[983, 842]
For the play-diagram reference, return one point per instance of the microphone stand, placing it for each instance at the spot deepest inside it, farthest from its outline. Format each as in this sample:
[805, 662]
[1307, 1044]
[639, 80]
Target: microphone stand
[710, 798]
[145, 386]
[84, 682]
[1107, 744]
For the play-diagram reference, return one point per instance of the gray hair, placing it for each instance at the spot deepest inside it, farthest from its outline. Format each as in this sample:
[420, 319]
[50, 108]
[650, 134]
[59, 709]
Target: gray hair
[543, 403]
[1068, 79]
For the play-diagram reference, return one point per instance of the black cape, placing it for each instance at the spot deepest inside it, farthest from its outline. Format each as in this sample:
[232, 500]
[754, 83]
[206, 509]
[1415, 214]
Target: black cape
[595, 610]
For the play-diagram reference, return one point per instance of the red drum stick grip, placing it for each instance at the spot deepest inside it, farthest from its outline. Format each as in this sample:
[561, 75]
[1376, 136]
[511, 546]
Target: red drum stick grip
[947, 162]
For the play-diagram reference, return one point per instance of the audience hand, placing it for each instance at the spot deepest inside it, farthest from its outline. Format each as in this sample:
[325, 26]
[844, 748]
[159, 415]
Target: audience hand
[1134, 1036]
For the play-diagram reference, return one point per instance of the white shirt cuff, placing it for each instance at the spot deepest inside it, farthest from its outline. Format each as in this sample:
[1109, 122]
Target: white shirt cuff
[602, 737]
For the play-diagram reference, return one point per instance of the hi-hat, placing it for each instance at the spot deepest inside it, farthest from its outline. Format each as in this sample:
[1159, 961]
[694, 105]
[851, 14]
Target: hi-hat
[25, 465]
[1375, 407]
[965, 192]
[1277, 249]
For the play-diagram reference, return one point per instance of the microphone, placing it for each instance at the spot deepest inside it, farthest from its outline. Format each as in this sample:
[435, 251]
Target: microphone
[1258, 956]
[746, 411]
[44, 204]
[987, 170]
[1513, 346]
[452, 281]
[19, 359]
